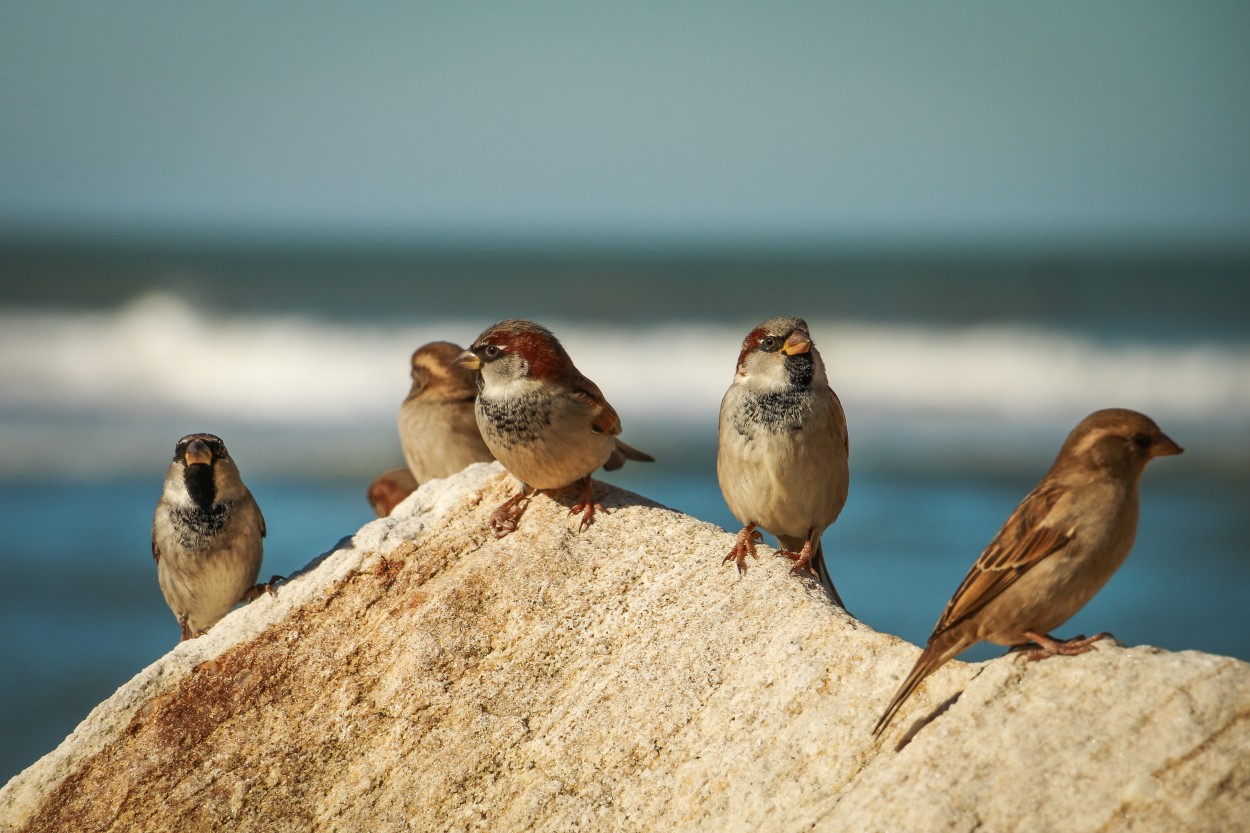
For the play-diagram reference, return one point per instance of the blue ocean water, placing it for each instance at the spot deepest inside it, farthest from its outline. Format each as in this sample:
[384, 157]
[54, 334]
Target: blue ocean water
[960, 379]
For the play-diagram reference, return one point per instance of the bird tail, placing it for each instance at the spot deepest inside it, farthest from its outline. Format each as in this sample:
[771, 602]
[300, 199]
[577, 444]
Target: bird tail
[940, 649]
[822, 573]
[624, 452]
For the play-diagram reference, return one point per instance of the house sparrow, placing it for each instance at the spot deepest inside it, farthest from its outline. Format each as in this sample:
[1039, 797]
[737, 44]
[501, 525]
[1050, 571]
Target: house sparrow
[389, 488]
[782, 457]
[206, 535]
[1056, 550]
[547, 423]
[437, 427]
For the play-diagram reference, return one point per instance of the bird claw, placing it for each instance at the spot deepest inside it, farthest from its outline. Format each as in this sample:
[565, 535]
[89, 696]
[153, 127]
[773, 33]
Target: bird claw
[588, 511]
[802, 561]
[587, 505]
[744, 545]
[1045, 645]
[270, 587]
[503, 521]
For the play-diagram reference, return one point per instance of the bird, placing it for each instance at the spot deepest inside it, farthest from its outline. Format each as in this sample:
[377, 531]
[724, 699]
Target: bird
[1054, 552]
[541, 418]
[783, 452]
[437, 427]
[389, 488]
[206, 535]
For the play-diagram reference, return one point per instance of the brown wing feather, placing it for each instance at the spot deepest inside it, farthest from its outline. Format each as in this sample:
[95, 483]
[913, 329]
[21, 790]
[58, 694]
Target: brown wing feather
[1022, 543]
[841, 421]
[604, 419]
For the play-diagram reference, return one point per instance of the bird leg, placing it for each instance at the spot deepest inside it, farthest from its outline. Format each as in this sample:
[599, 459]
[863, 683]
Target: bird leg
[186, 630]
[1048, 646]
[743, 545]
[504, 519]
[586, 504]
[270, 587]
[802, 559]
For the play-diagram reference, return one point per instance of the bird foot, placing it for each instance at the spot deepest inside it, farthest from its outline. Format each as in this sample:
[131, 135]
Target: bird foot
[270, 587]
[503, 521]
[1045, 645]
[587, 505]
[743, 546]
[802, 561]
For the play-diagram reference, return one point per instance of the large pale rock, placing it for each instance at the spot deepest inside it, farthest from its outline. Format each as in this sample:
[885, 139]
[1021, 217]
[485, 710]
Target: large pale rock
[428, 677]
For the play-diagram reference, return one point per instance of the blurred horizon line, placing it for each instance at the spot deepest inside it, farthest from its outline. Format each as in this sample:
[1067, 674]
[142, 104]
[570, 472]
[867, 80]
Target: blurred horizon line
[1154, 292]
[52, 236]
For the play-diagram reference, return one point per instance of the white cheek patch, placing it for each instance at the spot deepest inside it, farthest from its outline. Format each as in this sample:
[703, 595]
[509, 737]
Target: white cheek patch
[176, 496]
[763, 373]
[500, 385]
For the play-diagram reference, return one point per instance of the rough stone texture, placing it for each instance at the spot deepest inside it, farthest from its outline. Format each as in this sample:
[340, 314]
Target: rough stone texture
[427, 677]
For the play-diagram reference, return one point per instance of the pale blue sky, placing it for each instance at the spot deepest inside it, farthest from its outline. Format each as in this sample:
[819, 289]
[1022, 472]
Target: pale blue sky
[876, 123]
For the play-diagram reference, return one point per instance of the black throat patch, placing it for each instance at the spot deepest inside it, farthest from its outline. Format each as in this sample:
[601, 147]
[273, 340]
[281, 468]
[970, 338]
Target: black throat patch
[198, 523]
[200, 485]
[780, 412]
[799, 370]
[517, 420]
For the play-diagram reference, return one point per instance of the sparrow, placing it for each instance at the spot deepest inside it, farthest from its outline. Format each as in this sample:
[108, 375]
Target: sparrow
[437, 427]
[206, 535]
[543, 420]
[782, 457]
[1055, 551]
[389, 488]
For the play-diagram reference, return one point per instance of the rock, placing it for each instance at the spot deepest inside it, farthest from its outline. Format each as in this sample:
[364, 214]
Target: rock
[425, 676]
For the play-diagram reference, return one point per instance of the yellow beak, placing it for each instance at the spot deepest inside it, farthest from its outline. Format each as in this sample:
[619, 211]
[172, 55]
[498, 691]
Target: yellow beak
[198, 453]
[469, 359]
[798, 342]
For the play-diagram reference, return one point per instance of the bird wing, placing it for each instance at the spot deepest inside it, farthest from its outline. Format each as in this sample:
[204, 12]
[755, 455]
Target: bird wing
[1023, 542]
[840, 421]
[603, 418]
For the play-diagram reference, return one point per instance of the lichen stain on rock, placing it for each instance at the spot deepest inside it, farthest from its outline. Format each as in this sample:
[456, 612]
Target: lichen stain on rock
[169, 739]
[218, 691]
[387, 570]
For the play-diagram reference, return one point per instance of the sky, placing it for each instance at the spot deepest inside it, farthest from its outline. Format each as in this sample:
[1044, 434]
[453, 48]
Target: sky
[894, 123]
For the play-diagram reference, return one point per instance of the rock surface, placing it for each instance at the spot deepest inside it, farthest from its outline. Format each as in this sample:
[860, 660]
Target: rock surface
[425, 676]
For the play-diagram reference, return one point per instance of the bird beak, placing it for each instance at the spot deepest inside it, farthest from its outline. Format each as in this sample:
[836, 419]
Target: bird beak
[798, 342]
[1164, 447]
[198, 453]
[469, 359]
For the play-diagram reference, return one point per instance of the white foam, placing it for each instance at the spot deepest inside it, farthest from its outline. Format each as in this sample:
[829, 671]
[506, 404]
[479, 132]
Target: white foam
[161, 355]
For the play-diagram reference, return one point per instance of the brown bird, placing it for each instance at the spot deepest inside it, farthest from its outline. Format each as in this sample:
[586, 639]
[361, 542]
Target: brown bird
[206, 535]
[547, 423]
[1056, 550]
[782, 460]
[389, 488]
[437, 427]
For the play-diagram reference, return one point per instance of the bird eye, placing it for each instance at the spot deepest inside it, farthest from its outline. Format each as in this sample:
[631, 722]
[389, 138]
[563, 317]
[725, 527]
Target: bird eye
[769, 343]
[491, 351]
[1141, 441]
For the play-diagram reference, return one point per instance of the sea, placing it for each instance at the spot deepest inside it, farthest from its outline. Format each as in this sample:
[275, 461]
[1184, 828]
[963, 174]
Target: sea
[961, 373]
